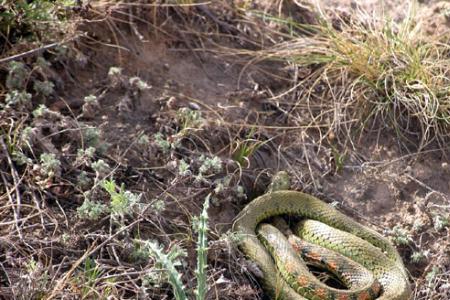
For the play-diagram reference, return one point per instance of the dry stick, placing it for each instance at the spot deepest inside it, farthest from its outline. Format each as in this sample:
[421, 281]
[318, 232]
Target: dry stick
[24, 219]
[424, 185]
[14, 174]
[212, 16]
[36, 50]
[62, 282]
[16, 180]
[15, 212]
[36, 203]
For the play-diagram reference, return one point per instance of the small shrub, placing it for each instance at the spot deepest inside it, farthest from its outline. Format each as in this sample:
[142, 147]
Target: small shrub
[419, 256]
[17, 76]
[440, 222]
[91, 210]
[15, 98]
[40, 111]
[83, 180]
[50, 165]
[20, 158]
[123, 202]
[400, 236]
[85, 156]
[201, 226]
[168, 263]
[92, 137]
[44, 88]
[183, 168]
[158, 206]
[115, 76]
[210, 165]
[189, 118]
[101, 168]
[162, 143]
[33, 20]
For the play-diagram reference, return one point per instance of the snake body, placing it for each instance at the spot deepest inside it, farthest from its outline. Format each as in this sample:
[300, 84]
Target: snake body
[327, 227]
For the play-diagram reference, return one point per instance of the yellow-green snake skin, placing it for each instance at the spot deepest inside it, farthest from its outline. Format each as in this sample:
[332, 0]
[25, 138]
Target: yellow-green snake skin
[285, 279]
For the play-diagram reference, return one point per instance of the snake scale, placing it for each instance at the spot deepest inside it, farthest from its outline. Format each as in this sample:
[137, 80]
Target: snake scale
[285, 274]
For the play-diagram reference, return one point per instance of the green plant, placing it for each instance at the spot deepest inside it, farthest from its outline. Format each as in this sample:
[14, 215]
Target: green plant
[339, 159]
[17, 76]
[42, 64]
[183, 168]
[35, 281]
[85, 156]
[44, 88]
[115, 76]
[91, 210]
[31, 19]
[83, 180]
[26, 136]
[123, 202]
[243, 149]
[114, 71]
[210, 165]
[419, 256]
[165, 144]
[158, 206]
[50, 165]
[168, 262]
[40, 111]
[91, 274]
[20, 158]
[92, 138]
[431, 275]
[440, 222]
[100, 167]
[143, 140]
[201, 226]
[400, 236]
[15, 98]
[188, 119]
[418, 225]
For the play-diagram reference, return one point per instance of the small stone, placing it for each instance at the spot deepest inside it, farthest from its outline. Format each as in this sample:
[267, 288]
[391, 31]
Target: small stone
[331, 136]
[172, 103]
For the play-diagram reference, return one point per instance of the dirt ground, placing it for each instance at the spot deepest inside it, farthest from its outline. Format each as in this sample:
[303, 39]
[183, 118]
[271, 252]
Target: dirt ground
[399, 193]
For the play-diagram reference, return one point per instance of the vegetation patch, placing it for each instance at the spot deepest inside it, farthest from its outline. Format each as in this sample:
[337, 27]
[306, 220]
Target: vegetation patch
[127, 151]
[370, 73]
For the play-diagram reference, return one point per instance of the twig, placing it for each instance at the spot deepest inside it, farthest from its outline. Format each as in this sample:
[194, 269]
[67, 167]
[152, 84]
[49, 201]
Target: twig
[424, 185]
[62, 282]
[16, 180]
[36, 50]
[15, 212]
[212, 16]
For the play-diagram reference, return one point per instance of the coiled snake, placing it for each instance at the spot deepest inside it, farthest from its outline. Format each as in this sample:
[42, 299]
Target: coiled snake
[285, 274]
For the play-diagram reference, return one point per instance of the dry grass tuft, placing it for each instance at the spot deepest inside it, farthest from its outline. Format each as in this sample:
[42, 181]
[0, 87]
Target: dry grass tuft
[367, 70]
